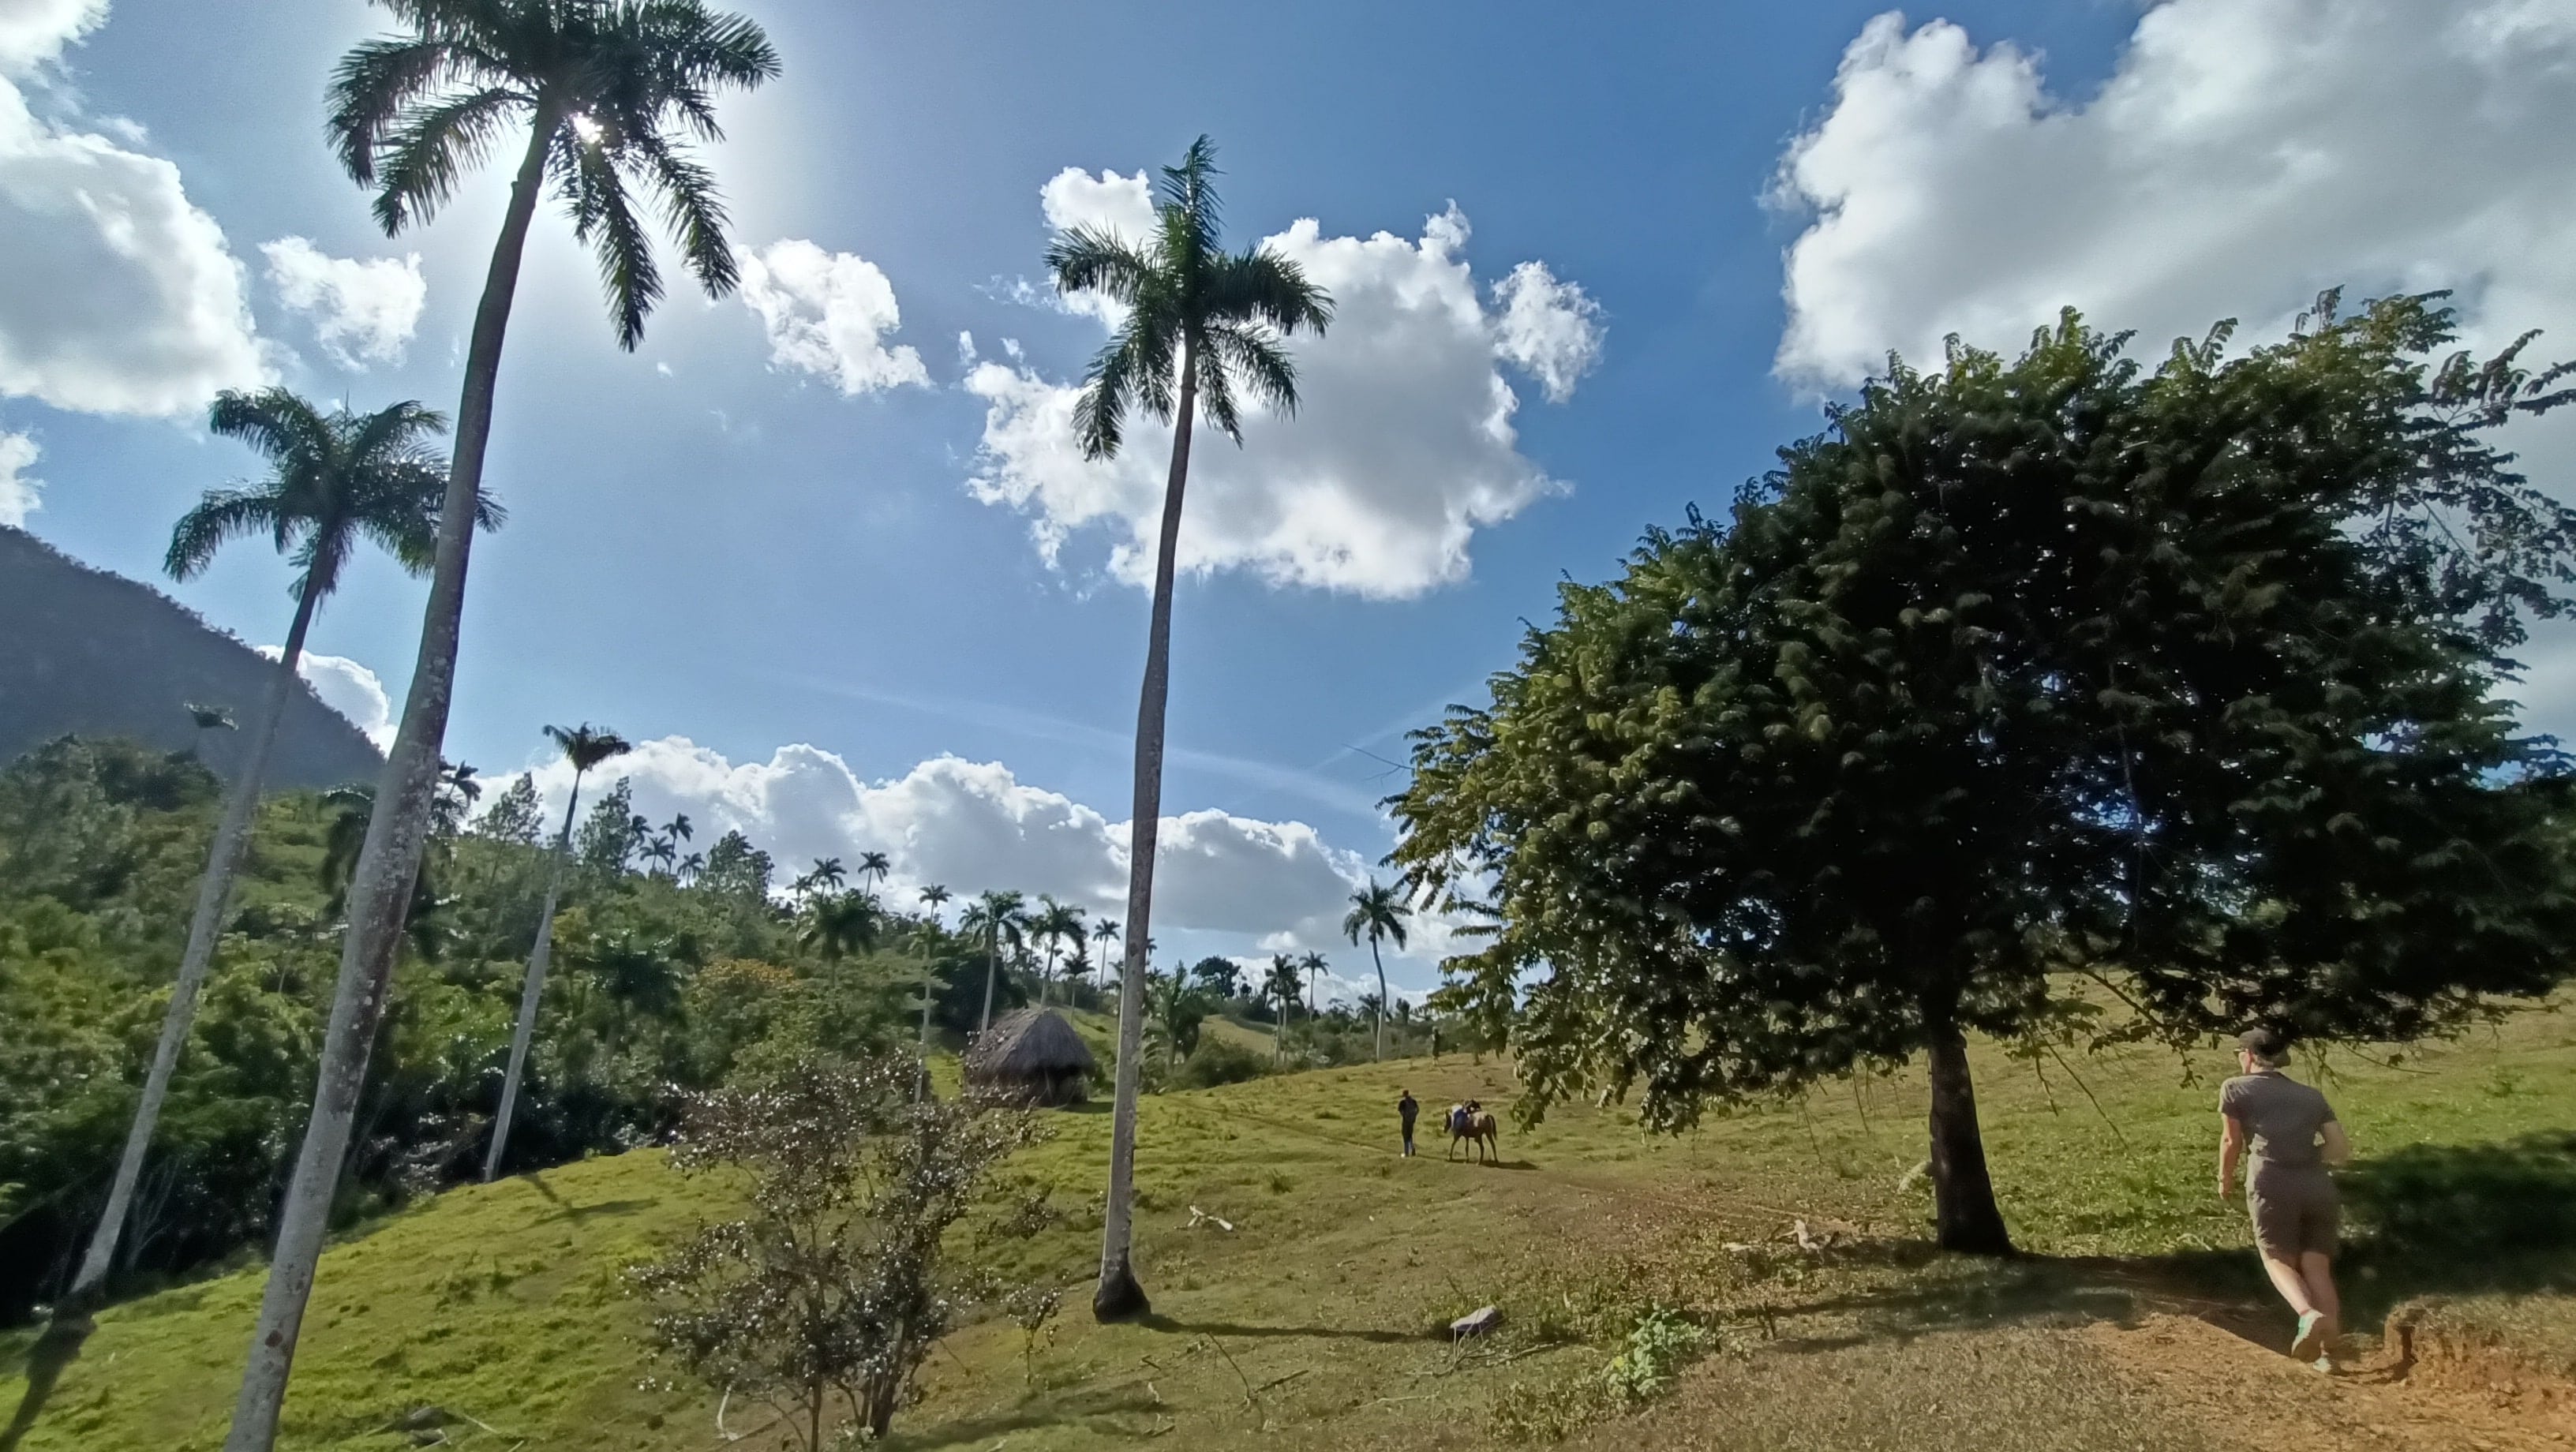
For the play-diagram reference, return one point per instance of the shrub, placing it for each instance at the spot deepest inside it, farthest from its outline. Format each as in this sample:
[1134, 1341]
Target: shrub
[1219, 1061]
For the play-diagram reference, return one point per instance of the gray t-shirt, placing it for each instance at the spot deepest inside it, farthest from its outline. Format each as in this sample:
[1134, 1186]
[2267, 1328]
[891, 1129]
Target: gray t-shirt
[2282, 1114]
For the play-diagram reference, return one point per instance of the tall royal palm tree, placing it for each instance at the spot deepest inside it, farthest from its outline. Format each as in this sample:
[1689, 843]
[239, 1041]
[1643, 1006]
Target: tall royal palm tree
[1203, 327]
[827, 875]
[933, 897]
[610, 91]
[996, 917]
[1054, 924]
[876, 865]
[334, 481]
[1280, 987]
[585, 746]
[1377, 912]
[1313, 966]
[1103, 933]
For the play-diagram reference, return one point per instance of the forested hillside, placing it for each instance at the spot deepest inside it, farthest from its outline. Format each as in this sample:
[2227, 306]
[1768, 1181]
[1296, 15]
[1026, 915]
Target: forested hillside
[86, 652]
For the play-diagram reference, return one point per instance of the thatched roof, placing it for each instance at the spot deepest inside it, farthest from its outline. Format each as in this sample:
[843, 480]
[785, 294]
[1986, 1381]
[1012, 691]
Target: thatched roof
[1031, 1044]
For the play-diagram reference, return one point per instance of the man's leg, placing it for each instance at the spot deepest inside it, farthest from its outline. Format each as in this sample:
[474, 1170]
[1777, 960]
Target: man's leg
[2292, 1286]
[2316, 1273]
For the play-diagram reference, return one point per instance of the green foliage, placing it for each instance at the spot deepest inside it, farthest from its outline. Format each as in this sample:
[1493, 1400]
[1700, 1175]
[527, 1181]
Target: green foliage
[2180, 677]
[663, 988]
[831, 1286]
[1658, 1347]
[1218, 1061]
[515, 816]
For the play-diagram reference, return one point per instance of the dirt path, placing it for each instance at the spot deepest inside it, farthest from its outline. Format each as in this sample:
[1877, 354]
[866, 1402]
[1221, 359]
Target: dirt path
[2247, 1394]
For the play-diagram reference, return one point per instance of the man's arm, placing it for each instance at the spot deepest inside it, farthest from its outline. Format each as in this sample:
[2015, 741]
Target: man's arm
[2338, 1149]
[2231, 1146]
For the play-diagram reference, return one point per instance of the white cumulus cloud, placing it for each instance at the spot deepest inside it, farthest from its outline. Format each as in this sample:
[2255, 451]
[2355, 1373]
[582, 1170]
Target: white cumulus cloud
[120, 295]
[1403, 447]
[348, 688]
[34, 32]
[2243, 155]
[1223, 882]
[828, 313]
[364, 310]
[20, 494]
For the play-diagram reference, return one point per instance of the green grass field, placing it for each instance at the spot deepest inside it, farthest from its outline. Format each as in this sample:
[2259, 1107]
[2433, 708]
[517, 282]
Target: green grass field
[2138, 1321]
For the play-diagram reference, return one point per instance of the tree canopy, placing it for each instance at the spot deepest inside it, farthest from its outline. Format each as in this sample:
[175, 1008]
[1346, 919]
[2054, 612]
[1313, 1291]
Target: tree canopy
[2184, 679]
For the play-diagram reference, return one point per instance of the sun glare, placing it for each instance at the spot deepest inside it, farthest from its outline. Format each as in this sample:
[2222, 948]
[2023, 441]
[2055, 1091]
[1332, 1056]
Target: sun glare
[587, 129]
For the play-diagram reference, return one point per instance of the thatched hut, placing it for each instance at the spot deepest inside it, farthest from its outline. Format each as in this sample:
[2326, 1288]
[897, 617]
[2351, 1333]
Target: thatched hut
[1031, 1057]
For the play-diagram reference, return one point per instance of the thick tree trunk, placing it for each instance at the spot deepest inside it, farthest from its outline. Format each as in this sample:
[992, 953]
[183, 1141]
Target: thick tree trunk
[1119, 1296]
[532, 990]
[1965, 1216]
[1381, 996]
[205, 928]
[380, 894]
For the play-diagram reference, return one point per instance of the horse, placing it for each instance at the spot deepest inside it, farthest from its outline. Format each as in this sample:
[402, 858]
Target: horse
[1474, 1125]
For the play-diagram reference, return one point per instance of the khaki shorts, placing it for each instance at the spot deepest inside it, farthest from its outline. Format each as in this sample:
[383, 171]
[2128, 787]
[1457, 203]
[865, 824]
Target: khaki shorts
[2295, 1210]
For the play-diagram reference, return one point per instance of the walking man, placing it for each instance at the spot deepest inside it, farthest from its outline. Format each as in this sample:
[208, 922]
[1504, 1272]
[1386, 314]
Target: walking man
[2289, 1194]
[1407, 1110]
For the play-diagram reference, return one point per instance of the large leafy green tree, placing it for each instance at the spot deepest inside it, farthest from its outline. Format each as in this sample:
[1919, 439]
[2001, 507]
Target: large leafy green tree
[1378, 912]
[334, 480]
[584, 747]
[1203, 326]
[2182, 678]
[608, 91]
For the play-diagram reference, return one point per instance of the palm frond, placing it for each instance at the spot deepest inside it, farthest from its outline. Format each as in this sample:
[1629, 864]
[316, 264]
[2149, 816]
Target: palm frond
[1100, 412]
[221, 517]
[432, 145]
[604, 218]
[276, 423]
[374, 83]
[1263, 287]
[1216, 389]
[1255, 358]
[1087, 259]
[693, 210]
[1191, 214]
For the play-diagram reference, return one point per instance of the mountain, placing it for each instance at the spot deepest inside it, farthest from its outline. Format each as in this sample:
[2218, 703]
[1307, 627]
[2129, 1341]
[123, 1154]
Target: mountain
[87, 652]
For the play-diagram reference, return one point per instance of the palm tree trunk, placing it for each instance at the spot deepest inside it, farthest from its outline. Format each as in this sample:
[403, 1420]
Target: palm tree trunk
[1118, 1296]
[205, 926]
[531, 990]
[1381, 996]
[992, 970]
[381, 892]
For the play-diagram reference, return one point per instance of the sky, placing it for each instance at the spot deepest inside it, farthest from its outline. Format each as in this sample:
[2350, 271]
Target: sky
[825, 547]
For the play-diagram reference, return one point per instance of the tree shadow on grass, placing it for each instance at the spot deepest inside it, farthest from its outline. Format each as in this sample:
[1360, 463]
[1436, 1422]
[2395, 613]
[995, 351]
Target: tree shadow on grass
[53, 1350]
[1038, 1410]
[2422, 1220]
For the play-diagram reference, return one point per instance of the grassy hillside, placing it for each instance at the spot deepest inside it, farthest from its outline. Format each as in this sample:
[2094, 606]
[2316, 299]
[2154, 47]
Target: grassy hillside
[2140, 1323]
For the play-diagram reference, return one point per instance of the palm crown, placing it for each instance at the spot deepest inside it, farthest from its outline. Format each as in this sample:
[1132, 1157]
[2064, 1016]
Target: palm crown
[1197, 315]
[606, 82]
[586, 746]
[1377, 911]
[333, 479]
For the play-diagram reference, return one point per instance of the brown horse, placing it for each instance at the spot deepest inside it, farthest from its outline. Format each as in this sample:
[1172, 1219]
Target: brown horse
[1473, 1124]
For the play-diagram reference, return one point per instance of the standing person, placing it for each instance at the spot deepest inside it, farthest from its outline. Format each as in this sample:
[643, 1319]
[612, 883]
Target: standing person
[2289, 1194]
[1407, 1110]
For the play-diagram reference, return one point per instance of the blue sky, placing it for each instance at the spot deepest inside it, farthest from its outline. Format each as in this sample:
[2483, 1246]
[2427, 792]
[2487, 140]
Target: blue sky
[1736, 208]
